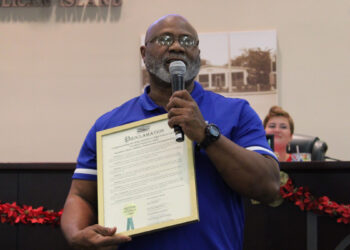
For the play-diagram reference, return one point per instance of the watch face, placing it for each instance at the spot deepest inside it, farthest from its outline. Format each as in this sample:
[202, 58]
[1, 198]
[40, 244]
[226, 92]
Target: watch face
[214, 131]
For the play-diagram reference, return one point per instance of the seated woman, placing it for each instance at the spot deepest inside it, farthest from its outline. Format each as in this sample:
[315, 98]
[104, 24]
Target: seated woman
[280, 124]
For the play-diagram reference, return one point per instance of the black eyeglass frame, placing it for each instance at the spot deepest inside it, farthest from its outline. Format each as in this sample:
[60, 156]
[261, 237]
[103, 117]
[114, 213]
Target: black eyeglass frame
[156, 39]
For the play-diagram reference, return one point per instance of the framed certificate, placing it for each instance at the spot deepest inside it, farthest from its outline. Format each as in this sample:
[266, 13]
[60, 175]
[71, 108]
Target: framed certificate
[145, 179]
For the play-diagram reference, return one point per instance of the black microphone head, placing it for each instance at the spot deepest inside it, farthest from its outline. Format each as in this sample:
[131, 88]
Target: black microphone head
[177, 68]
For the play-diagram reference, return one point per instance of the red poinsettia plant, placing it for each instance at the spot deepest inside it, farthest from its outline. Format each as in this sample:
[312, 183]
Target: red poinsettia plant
[13, 214]
[321, 205]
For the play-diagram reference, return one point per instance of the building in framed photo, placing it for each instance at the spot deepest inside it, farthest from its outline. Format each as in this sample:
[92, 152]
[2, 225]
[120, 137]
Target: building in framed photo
[241, 64]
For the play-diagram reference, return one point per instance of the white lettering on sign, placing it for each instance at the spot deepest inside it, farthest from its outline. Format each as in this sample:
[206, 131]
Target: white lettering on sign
[61, 3]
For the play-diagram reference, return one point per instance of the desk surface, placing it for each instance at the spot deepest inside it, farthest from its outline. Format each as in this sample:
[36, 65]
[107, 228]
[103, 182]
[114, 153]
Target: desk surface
[316, 165]
[292, 166]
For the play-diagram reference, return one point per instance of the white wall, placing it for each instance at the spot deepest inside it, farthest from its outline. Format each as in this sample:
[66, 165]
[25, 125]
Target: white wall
[60, 68]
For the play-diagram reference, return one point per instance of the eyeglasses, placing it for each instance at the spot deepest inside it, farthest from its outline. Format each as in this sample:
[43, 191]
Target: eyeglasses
[185, 41]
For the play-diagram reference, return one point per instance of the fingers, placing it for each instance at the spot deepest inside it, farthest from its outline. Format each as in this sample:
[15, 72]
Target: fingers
[106, 231]
[184, 111]
[111, 232]
[179, 99]
[183, 94]
[181, 102]
[179, 116]
[99, 237]
[114, 240]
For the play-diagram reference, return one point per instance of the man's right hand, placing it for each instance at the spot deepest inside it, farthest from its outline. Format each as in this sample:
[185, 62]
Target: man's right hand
[98, 237]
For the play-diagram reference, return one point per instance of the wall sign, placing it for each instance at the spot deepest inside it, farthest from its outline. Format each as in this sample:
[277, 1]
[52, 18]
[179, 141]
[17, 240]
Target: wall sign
[61, 3]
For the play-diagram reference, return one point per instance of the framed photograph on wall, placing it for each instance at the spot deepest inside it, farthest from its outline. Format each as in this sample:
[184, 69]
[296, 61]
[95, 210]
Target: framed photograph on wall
[238, 64]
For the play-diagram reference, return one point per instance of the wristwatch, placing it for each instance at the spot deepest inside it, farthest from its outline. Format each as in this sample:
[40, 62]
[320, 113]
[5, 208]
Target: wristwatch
[212, 133]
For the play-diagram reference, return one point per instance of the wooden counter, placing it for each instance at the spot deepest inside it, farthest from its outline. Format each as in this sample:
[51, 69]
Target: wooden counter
[281, 228]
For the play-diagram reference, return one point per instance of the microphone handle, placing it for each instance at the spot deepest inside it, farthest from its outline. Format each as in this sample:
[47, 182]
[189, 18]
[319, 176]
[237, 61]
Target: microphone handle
[177, 83]
[179, 134]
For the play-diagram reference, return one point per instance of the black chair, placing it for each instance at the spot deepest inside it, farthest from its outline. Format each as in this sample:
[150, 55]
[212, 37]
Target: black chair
[308, 144]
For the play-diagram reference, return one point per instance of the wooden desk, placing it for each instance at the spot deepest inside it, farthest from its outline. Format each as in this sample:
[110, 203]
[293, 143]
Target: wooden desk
[281, 228]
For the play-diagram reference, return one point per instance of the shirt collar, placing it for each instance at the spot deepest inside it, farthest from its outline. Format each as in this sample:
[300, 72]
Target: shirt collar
[146, 102]
[197, 92]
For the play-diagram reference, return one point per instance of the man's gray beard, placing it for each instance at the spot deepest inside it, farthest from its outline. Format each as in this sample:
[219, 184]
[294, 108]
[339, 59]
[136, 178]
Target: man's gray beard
[157, 68]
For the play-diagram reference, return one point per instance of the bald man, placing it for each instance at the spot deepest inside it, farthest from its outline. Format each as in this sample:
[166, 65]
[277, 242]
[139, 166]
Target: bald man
[234, 159]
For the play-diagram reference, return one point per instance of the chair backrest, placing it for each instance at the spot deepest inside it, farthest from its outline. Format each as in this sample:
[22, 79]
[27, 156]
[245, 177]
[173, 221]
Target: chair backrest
[309, 144]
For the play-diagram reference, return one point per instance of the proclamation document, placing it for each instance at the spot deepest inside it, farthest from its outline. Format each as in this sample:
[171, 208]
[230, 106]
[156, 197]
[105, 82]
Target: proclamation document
[146, 179]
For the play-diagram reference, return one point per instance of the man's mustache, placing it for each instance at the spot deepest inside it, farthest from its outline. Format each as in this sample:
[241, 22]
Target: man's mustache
[175, 56]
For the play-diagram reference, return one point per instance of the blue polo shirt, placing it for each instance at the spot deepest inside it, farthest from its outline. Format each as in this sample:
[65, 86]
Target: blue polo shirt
[221, 210]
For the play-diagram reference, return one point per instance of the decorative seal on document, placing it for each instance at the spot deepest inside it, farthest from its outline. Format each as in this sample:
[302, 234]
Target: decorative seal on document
[128, 211]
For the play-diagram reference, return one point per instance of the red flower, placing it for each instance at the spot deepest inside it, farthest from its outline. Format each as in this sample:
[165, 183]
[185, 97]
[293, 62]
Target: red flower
[12, 213]
[302, 198]
[300, 204]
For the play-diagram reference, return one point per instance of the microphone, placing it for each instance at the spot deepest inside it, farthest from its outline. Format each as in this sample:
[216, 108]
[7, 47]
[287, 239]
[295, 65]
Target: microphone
[177, 70]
